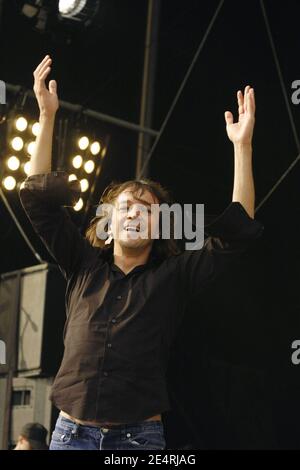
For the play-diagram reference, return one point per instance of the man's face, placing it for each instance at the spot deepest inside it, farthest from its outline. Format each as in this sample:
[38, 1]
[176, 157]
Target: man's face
[134, 219]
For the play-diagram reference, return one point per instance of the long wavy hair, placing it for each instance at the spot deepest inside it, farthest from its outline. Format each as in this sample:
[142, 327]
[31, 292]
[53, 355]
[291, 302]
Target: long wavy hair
[161, 248]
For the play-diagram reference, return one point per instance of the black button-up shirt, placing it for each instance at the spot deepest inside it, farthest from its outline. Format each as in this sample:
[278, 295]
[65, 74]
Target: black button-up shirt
[120, 327]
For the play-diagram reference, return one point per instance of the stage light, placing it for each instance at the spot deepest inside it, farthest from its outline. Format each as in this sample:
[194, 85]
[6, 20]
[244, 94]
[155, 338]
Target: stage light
[39, 12]
[13, 163]
[17, 143]
[78, 10]
[103, 153]
[84, 185]
[31, 147]
[27, 167]
[83, 143]
[72, 177]
[35, 129]
[9, 183]
[77, 161]
[79, 205]
[46, 15]
[21, 124]
[95, 148]
[30, 10]
[70, 7]
[89, 166]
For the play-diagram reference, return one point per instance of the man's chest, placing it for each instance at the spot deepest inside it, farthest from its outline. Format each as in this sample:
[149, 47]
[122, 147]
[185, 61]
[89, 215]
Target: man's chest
[109, 294]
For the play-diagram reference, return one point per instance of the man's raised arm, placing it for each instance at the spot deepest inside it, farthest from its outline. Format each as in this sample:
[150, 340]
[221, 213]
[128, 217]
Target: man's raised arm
[40, 161]
[230, 234]
[240, 134]
[45, 192]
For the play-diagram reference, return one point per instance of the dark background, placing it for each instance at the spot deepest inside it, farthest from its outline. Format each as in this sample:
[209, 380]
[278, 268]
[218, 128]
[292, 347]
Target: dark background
[231, 379]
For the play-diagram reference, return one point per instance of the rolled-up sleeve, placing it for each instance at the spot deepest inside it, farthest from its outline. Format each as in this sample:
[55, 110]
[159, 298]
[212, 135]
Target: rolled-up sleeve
[44, 198]
[228, 236]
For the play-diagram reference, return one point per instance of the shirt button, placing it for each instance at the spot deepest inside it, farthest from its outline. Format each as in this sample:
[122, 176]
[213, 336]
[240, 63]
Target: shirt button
[109, 345]
[113, 320]
[119, 297]
[105, 373]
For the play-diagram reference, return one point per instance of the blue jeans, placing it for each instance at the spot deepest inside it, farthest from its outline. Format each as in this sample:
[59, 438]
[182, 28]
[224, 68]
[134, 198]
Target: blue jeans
[145, 435]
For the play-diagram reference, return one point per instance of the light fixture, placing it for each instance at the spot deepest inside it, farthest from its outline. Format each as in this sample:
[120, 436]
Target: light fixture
[77, 161]
[13, 163]
[84, 185]
[9, 183]
[21, 124]
[69, 8]
[17, 143]
[35, 128]
[30, 10]
[95, 148]
[27, 168]
[39, 12]
[30, 147]
[45, 15]
[89, 166]
[79, 205]
[78, 10]
[83, 143]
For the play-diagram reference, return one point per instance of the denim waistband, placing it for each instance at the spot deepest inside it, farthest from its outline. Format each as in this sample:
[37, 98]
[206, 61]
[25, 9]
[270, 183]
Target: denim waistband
[155, 425]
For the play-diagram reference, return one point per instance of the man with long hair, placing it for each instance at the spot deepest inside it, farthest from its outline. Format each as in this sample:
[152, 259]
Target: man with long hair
[126, 292]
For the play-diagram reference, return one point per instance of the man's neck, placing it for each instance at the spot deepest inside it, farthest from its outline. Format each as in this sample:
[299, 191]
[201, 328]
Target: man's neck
[128, 258]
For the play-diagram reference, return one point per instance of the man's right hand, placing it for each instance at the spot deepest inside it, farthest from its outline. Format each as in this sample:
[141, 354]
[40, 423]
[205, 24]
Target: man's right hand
[47, 99]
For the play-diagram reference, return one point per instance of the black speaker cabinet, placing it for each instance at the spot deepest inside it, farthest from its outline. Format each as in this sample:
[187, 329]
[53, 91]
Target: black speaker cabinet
[32, 316]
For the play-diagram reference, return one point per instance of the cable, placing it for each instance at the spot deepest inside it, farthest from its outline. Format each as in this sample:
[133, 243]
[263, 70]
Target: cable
[280, 76]
[287, 105]
[277, 183]
[76, 108]
[163, 35]
[201, 45]
[6, 203]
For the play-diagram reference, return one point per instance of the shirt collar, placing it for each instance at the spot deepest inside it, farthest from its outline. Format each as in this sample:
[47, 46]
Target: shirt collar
[109, 257]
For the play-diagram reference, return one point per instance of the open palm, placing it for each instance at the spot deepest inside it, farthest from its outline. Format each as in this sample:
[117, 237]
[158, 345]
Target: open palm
[242, 131]
[47, 98]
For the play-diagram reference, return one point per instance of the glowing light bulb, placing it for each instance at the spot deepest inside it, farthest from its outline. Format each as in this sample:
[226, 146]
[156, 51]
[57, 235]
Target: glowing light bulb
[84, 185]
[35, 129]
[95, 148]
[17, 143]
[72, 177]
[13, 163]
[89, 166]
[9, 183]
[77, 161]
[21, 124]
[31, 147]
[79, 205]
[27, 167]
[83, 143]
